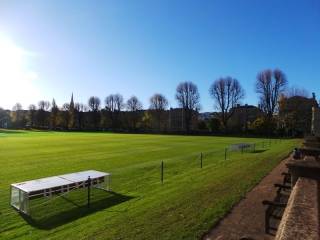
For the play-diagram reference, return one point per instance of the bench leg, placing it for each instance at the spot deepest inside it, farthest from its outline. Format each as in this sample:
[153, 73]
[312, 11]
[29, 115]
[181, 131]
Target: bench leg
[267, 224]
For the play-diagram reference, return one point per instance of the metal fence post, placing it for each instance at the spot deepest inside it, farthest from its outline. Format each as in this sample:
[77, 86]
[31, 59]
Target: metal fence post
[162, 172]
[225, 153]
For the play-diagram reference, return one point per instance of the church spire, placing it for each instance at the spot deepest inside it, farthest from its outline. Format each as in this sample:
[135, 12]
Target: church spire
[72, 102]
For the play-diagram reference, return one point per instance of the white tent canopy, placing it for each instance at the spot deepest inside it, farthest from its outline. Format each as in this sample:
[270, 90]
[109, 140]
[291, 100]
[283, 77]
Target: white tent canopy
[22, 192]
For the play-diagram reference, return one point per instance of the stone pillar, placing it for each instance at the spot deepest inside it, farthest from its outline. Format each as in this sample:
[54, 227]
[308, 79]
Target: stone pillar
[315, 125]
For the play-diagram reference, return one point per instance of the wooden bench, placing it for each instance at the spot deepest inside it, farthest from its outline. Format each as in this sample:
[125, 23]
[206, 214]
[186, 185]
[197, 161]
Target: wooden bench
[276, 207]
[286, 178]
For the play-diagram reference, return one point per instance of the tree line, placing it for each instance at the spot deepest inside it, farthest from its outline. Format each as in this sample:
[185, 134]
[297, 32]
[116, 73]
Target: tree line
[117, 114]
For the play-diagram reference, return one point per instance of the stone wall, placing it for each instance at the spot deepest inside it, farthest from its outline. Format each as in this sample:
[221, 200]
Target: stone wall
[315, 128]
[300, 220]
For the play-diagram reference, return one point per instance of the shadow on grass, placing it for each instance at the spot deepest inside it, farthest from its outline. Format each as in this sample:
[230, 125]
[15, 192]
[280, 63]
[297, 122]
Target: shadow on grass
[58, 218]
[4, 131]
[259, 151]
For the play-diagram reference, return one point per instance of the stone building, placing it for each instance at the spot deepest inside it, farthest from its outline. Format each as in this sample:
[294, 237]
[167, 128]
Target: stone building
[171, 120]
[243, 116]
[295, 114]
[176, 120]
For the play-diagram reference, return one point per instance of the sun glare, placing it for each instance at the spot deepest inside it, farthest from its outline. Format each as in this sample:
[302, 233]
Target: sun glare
[16, 78]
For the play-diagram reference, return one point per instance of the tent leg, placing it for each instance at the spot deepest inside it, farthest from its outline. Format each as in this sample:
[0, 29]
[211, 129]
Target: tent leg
[89, 187]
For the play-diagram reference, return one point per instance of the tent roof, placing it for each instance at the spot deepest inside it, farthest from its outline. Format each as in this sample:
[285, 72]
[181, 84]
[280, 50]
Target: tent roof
[57, 181]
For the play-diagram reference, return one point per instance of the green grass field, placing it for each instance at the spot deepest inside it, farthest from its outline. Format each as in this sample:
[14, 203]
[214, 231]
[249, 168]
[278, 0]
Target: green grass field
[189, 202]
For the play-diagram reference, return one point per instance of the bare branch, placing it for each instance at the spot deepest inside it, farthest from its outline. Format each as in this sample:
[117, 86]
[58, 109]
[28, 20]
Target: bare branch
[188, 98]
[158, 102]
[133, 104]
[94, 103]
[227, 92]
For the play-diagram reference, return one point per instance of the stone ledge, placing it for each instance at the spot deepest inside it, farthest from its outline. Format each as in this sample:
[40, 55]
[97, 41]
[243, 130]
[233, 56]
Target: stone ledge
[306, 162]
[300, 220]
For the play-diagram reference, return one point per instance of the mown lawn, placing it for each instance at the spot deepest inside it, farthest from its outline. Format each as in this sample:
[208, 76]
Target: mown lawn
[189, 202]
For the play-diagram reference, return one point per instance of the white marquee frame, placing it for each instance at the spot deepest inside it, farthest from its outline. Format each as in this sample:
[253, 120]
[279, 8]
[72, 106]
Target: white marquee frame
[22, 193]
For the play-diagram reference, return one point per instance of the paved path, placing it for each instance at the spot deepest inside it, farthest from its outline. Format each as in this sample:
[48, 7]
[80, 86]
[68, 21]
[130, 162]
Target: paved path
[247, 218]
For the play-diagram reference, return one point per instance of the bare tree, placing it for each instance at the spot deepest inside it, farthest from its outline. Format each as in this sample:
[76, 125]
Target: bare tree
[32, 115]
[227, 93]
[270, 85]
[133, 104]
[119, 102]
[43, 107]
[94, 103]
[17, 116]
[54, 114]
[114, 104]
[65, 107]
[64, 117]
[80, 109]
[159, 104]
[17, 107]
[188, 99]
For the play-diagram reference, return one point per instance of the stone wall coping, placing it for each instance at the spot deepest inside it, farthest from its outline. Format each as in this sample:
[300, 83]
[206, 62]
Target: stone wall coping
[300, 220]
[307, 162]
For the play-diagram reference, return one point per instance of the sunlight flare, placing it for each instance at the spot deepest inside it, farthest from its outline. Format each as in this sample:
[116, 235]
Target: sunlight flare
[16, 76]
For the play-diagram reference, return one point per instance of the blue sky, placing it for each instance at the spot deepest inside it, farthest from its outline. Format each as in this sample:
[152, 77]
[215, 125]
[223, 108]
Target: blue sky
[143, 47]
